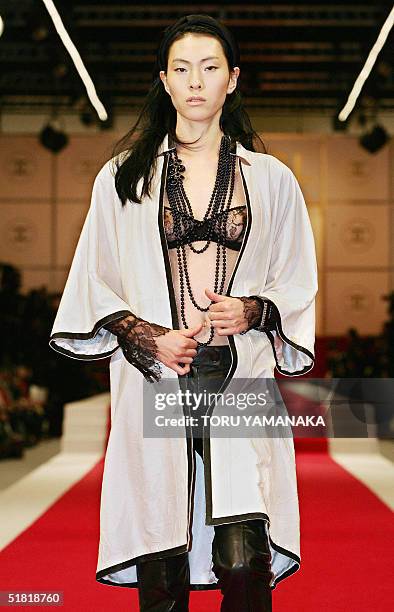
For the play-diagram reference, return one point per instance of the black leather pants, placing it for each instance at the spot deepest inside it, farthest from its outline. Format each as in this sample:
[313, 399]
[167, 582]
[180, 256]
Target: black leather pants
[240, 551]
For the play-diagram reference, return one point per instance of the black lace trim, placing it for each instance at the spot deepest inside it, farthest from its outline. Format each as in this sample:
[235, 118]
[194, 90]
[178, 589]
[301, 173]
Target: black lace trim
[252, 311]
[136, 338]
[194, 229]
[259, 313]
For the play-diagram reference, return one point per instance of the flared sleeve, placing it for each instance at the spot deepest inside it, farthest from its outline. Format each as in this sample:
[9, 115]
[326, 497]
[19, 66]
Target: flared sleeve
[292, 283]
[92, 296]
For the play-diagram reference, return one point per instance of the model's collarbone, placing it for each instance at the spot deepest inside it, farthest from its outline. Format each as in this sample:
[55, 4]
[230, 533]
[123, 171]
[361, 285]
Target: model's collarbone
[199, 184]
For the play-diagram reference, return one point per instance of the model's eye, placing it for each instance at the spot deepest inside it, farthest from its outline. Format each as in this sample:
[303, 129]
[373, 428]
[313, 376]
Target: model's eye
[208, 68]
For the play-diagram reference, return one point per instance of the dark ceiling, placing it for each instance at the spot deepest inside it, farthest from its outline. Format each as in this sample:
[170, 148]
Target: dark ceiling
[301, 56]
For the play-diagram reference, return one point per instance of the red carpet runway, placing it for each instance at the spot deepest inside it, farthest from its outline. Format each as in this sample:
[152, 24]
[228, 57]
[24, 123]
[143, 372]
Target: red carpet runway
[347, 536]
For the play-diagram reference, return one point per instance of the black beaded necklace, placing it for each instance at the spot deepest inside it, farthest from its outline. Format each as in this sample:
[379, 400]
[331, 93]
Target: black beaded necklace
[184, 220]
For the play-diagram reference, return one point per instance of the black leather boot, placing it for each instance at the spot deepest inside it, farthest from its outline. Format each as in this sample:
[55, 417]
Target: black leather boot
[164, 584]
[242, 563]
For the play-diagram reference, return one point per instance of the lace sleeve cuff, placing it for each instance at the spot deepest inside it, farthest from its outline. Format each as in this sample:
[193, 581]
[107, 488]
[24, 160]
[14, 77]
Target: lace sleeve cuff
[259, 313]
[136, 338]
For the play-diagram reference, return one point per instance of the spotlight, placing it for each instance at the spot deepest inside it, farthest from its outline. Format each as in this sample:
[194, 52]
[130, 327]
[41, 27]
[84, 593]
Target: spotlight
[337, 124]
[375, 139]
[53, 139]
[108, 124]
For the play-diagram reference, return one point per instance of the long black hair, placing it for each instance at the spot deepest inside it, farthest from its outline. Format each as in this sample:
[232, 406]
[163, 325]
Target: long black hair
[136, 158]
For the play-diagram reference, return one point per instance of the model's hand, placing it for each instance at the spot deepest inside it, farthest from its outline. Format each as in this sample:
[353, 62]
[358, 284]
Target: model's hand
[178, 347]
[145, 344]
[228, 314]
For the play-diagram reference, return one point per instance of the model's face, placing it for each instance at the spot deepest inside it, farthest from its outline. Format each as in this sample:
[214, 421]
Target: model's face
[197, 66]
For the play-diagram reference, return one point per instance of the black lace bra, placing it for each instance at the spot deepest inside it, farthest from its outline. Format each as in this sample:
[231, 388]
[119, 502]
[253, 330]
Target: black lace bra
[194, 229]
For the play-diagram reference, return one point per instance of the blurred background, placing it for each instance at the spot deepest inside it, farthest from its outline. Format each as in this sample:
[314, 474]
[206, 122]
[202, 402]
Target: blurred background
[299, 65]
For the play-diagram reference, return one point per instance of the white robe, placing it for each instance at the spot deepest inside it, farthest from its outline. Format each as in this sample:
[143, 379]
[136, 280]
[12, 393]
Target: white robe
[158, 498]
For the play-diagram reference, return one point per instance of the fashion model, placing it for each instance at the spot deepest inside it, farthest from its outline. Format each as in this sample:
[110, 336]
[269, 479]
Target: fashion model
[196, 265]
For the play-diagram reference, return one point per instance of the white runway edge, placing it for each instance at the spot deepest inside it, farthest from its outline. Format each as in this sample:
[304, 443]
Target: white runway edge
[82, 446]
[361, 457]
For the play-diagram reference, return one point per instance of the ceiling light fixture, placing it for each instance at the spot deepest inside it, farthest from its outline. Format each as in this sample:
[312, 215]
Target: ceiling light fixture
[77, 60]
[371, 59]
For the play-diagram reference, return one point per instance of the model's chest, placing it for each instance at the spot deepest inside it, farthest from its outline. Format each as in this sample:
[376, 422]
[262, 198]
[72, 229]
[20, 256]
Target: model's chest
[199, 183]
